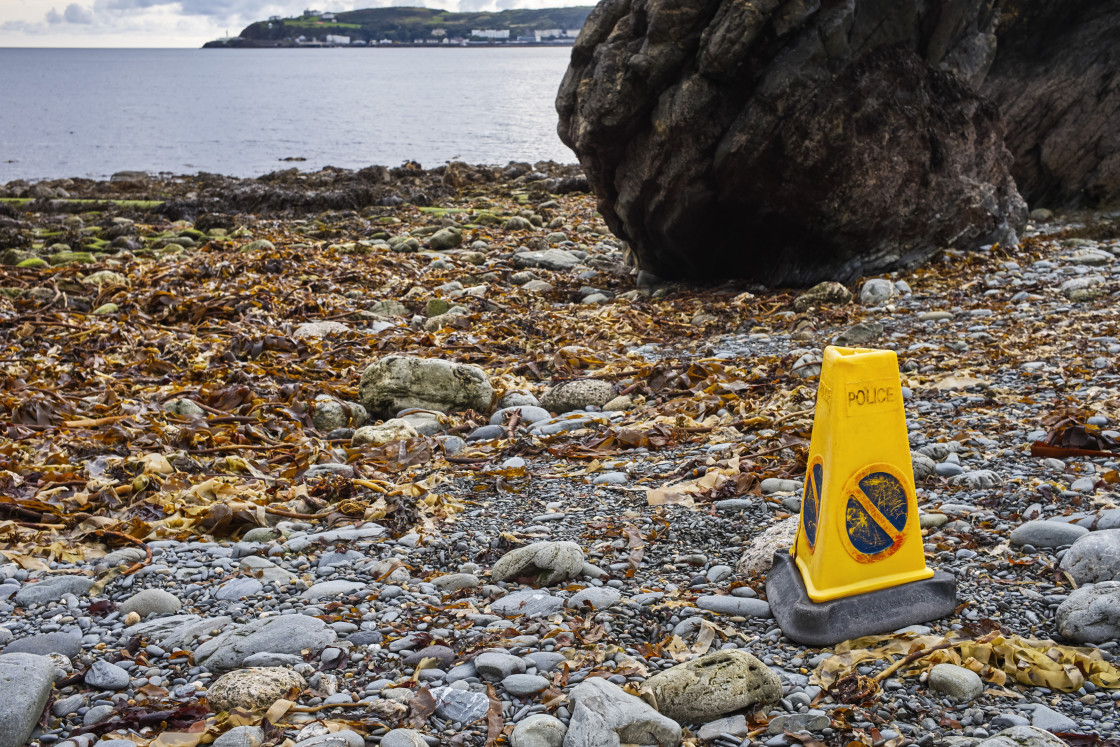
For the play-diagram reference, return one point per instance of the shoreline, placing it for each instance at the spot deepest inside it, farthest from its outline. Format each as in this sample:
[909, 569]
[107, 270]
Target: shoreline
[189, 429]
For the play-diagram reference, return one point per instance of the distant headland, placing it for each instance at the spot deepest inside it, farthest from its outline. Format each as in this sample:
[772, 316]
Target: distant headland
[412, 27]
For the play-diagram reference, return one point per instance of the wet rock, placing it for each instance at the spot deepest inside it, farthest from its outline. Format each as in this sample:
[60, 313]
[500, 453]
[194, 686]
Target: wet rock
[712, 685]
[956, 682]
[604, 714]
[26, 682]
[254, 688]
[577, 395]
[1054, 80]
[1091, 614]
[1094, 557]
[780, 121]
[398, 382]
[548, 562]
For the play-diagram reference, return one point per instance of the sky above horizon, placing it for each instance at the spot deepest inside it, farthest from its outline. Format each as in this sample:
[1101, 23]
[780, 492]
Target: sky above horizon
[182, 23]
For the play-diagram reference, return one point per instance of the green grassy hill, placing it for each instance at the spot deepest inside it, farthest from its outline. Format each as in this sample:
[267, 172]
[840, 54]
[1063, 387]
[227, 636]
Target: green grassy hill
[406, 24]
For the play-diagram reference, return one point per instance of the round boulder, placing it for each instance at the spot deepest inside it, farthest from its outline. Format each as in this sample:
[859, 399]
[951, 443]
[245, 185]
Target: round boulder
[712, 685]
[548, 562]
[768, 140]
[1091, 614]
[1094, 557]
[397, 382]
[577, 395]
[254, 688]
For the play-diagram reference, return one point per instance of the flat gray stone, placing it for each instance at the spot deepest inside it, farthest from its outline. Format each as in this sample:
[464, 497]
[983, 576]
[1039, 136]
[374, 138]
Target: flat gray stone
[524, 685]
[151, 602]
[178, 631]
[67, 644]
[956, 682]
[241, 736]
[548, 259]
[344, 738]
[595, 597]
[403, 738]
[545, 661]
[453, 582]
[736, 725]
[1022, 736]
[797, 723]
[529, 414]
[329, 589]
[1091, 614]
[463, 706]
[600, 708]
[528, 603]
[492, 665]
[26, 682]
[1050, 720]
[238, 588]
[735, 606]
[105, 675]
[51, 589]
[282, 634]
[1047, 534]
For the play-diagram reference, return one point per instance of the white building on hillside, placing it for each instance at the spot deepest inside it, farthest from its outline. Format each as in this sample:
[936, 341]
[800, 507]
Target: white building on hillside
[493, 34]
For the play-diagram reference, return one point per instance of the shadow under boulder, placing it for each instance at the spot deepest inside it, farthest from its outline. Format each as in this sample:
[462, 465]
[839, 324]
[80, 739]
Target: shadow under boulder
[789, 142]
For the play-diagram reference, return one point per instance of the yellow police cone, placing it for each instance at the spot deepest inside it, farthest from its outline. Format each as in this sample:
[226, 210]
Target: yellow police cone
[857, 566]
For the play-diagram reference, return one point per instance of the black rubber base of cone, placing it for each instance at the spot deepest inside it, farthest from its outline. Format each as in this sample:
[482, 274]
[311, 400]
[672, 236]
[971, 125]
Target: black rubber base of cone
[828, 623]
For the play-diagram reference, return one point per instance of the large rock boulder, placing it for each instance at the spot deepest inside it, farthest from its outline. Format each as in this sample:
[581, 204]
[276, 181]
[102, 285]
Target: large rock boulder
[398, 382]
[711, 686]
[1091, 614]
[1054, 78]
[789, 141]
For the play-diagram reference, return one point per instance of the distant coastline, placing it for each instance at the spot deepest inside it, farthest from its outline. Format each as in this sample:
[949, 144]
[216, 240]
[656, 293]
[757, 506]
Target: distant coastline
[404, 27]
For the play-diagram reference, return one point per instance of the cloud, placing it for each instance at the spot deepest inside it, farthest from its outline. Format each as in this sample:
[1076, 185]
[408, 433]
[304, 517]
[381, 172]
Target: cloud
[75, 13]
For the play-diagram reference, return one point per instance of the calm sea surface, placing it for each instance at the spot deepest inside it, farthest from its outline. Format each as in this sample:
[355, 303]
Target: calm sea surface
[91, 112]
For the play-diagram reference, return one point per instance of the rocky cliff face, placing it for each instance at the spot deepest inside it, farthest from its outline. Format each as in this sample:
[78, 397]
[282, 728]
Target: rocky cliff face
[1056, 78]
[789, 141]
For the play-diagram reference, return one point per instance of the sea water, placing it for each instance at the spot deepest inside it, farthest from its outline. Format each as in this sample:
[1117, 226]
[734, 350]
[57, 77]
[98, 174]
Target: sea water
[92, 112]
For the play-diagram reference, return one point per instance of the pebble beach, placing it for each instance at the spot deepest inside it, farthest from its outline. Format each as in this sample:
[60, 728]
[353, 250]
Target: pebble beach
[227, 517]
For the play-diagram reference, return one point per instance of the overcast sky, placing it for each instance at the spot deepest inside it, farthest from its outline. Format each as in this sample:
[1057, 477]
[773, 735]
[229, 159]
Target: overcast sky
[180, 23]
